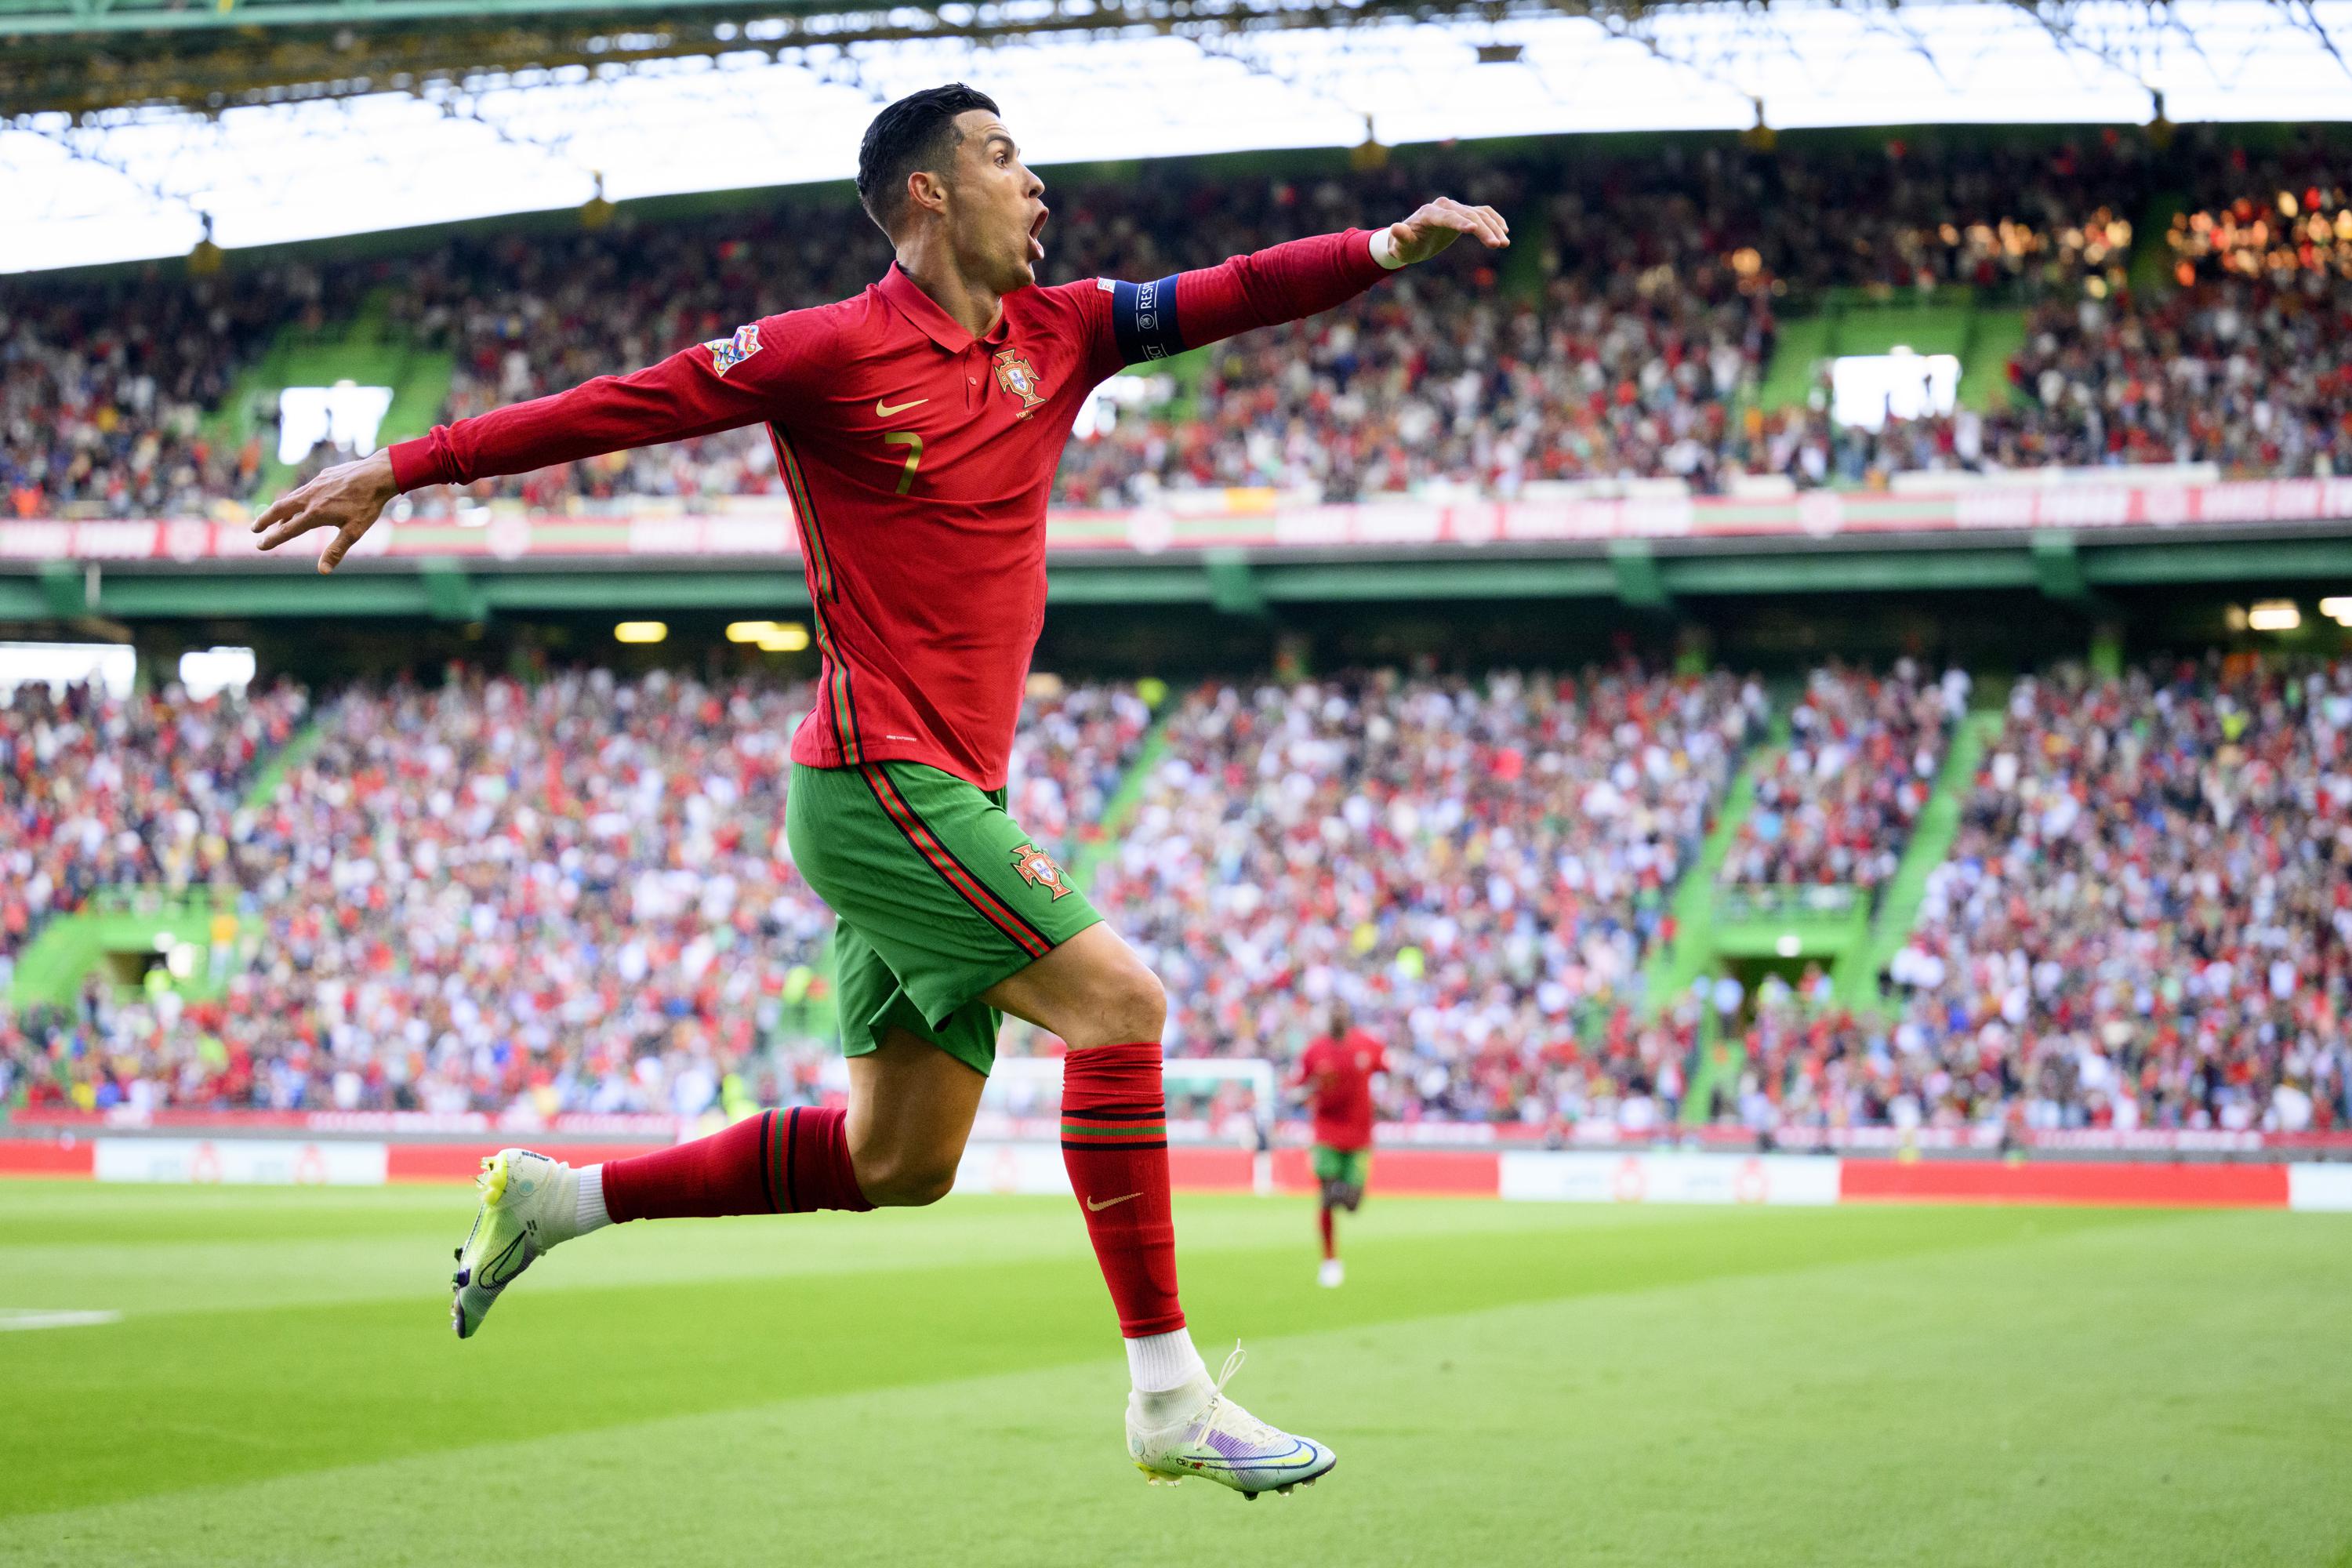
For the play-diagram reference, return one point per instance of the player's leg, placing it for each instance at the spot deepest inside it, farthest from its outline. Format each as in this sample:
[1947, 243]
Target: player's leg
[896, 1144]
[971, 916]
[1354, 1175]
[910, 1111]
[1330, 1194]
[1108, 1009]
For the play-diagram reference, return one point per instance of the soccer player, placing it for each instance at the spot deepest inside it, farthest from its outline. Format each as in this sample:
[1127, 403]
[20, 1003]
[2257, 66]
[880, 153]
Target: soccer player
[918, 426]
[1337, 1072]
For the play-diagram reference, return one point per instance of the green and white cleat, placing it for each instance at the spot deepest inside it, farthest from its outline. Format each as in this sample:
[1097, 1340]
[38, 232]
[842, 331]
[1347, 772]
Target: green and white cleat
[1222, 1442]
[529, 1203]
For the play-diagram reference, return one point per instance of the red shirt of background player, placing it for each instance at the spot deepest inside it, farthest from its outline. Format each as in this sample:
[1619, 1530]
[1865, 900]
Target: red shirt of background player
[1338, 1074]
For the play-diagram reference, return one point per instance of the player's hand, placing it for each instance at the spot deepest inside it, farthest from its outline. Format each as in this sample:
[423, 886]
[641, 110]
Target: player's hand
[1442, 222]
[347, 498]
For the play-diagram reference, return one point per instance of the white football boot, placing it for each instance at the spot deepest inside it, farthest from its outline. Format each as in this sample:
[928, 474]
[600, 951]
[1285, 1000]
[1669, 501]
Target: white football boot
[530, 1203]
[1222, 1442]
[1332, 1275]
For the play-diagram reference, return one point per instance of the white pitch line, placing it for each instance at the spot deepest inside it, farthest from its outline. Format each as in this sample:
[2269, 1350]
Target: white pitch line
[14, 1318]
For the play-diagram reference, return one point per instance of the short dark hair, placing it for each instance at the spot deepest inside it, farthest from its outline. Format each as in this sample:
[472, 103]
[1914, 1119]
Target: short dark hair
[915, 132]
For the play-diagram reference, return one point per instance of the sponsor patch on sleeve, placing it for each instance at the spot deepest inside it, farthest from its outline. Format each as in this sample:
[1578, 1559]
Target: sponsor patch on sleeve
[726, 353]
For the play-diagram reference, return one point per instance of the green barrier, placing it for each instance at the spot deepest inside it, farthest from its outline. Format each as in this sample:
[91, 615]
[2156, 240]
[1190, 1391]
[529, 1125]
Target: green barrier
[370, 349]
[188, 937]
[1673, 966]
[1118, 810]
[1931, 842]
[291, 756]
[1952, 323]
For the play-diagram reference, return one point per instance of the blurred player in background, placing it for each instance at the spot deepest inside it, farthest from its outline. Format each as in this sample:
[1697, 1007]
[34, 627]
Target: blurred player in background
[1336, 1071]
[918, 426]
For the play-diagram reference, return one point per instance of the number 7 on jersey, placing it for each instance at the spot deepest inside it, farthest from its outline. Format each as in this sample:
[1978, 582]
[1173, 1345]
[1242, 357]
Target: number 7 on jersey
[914, 444]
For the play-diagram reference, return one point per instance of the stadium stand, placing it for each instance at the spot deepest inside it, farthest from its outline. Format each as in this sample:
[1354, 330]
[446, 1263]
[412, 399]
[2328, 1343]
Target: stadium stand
[2145, 921]
[1836, 806]
[98, 791]
[1635, 348]
[1477, 870]
[574, 895]
[105, 387]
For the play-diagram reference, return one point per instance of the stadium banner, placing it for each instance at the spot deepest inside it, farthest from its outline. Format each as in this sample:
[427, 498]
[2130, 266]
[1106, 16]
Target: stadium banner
[2319, 1188]
[1033, 1167]
[241, 1162]
[463, 1162]
[763, 526]
[520, 1125]
[64, 1156]
[1404, 1173]
[2083, 1182]
[621, 1129]
[513, 1127]
[1022, 1169]
[1542, 1176]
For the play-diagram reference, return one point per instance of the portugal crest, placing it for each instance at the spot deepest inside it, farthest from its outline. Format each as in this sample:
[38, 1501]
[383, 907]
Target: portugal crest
[1036, 867]
[1019, 377]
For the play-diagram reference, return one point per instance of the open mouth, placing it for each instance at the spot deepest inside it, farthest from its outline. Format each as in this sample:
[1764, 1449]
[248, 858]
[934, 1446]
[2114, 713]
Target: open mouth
[1037, 235]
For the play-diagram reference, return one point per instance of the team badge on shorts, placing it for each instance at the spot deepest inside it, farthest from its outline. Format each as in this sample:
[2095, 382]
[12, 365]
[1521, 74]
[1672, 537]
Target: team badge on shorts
[1037, 869]
[1019, 377]
[726, 353]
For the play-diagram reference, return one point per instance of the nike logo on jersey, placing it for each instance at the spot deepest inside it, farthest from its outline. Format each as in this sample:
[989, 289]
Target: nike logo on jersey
[887, 409]
[1093, 1207]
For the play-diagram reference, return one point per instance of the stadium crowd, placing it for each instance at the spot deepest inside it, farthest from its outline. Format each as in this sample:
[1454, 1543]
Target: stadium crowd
[1478, 870]
[574, 895]
[1631, 342]
[108, 389]
[97, 789]
[2146, 922]
[1836, 805]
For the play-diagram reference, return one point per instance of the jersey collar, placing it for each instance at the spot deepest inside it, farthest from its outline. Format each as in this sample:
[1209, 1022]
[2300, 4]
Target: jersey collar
[923, 313]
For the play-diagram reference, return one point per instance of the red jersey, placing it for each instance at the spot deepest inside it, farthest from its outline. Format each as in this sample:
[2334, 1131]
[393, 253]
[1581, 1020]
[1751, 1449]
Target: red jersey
[918, 460]
[1339, 1075]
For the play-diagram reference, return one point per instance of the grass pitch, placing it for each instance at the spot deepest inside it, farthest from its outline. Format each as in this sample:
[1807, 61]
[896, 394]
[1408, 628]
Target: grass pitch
[1506, 1384]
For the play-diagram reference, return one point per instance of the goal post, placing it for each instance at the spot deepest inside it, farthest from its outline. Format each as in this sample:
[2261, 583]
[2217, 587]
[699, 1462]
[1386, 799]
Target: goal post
[1226, 1102]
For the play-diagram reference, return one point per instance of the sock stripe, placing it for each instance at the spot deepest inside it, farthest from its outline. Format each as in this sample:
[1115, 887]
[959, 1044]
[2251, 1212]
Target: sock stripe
[1155, 1113]
[1078, 1130]
[1123, 1147]
[792, 1155]
[767, 1158]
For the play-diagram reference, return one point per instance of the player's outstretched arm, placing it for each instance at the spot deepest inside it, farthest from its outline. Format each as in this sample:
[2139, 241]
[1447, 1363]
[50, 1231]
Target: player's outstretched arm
[1287, 282]
[692, 393]
[347, 498]
[1442, 222]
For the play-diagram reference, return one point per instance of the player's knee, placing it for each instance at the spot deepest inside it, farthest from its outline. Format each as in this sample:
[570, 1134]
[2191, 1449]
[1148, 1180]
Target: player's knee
[1134, 1005]
[905, 1182]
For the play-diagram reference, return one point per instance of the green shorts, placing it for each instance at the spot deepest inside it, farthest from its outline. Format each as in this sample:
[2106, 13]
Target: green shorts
[1353, 1166]
[939, 895]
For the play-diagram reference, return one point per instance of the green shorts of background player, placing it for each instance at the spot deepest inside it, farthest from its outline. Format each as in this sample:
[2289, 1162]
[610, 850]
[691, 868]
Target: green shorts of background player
[1341, 1173]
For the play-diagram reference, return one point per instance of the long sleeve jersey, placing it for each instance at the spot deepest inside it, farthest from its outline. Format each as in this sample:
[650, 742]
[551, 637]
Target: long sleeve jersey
[918, 460]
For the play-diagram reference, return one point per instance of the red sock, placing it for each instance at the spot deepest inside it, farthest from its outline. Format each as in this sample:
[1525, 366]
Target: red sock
[1329, 1250]
[778, 1161]
[1114, 1142]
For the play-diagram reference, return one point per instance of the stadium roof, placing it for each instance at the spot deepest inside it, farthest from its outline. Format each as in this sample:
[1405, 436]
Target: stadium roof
[256, 138]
